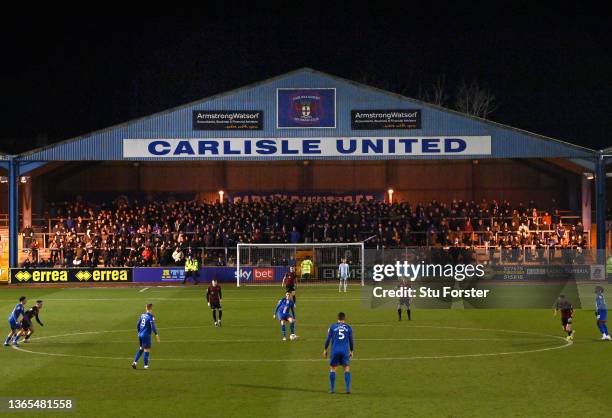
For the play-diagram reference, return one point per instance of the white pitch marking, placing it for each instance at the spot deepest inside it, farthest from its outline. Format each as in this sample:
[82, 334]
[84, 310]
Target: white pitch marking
[103, 332]
[319, 340]
[306, 325]
[142, 290]
[318, 299]
[436, 357]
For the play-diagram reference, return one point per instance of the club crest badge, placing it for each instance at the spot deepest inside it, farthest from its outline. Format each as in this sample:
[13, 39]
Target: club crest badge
[306, 108]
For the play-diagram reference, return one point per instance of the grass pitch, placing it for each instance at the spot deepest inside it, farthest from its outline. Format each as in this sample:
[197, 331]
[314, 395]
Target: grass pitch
[459, 363]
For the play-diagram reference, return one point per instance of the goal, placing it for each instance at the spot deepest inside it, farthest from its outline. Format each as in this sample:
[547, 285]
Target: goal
[267, 263]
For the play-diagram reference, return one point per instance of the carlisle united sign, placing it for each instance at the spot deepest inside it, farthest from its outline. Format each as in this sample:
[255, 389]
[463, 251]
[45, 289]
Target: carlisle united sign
[288, 148]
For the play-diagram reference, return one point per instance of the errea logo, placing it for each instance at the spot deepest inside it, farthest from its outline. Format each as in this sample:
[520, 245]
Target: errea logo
[23, 276]
[83, 275]
[40, 276]
[70, 275]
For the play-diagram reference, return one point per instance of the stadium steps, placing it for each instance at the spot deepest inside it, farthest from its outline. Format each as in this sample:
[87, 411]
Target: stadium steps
[4, 254]
[43, 253]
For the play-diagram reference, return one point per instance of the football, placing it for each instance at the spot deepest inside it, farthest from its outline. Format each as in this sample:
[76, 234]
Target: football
[293, 337]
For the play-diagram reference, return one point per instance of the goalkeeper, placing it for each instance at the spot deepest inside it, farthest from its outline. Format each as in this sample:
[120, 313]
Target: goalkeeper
[343, 275]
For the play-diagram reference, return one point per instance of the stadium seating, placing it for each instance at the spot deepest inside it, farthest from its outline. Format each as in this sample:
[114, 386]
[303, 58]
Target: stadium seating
[135, 233]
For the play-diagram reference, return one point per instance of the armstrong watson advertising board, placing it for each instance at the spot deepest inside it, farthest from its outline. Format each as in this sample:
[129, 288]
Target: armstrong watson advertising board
[386, 119]
[227, 120]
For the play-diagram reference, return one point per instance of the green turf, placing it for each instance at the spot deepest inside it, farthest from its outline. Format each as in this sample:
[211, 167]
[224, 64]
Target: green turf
[442, 363]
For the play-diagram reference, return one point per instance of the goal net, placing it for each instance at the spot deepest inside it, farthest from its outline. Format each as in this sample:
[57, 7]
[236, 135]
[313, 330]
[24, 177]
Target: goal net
[314, 263]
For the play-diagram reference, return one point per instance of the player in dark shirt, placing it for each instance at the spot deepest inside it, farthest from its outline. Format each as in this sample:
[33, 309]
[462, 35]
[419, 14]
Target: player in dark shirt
[289, 282]
[214, 298]
[26, 324]
[404, 300]
[567, 313]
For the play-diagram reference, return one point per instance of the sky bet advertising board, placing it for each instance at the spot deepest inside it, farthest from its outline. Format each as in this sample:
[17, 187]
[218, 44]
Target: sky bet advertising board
[221, 274]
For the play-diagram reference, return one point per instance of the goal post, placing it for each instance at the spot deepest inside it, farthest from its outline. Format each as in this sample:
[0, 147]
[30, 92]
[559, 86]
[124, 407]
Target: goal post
[265, 263]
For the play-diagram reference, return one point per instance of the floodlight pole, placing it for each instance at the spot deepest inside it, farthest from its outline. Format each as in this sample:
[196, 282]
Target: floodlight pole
[600, 203]
[13, 203]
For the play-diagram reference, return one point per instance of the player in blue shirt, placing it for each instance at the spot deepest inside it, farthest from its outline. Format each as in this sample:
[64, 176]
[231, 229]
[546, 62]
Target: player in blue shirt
[145, 326]
[601, 311]
[340, 335]
[285, 311]
[14, 322]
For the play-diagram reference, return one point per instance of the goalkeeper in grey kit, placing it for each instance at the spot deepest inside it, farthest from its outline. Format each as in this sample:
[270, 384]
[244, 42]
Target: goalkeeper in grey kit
[343, 275]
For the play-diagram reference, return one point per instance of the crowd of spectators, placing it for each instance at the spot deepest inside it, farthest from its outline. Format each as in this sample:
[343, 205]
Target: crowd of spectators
[134, 233]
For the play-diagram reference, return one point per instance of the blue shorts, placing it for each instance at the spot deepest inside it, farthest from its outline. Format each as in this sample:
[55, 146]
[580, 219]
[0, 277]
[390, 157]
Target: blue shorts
[145, 342]
[14, 325]
[339, 358]
[284, 317]
[602, 315]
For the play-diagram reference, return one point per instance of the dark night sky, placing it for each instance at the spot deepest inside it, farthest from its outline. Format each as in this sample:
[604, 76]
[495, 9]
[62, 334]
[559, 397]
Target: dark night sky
[551, 74]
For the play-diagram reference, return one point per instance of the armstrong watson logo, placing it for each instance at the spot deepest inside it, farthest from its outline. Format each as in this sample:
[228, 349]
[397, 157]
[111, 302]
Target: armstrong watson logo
[306, 108]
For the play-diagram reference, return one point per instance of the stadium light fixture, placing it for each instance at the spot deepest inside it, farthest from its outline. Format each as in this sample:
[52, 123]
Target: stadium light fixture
[3, 179]
[390, 193]
[23, 179]
[589, 176]
[221, 193]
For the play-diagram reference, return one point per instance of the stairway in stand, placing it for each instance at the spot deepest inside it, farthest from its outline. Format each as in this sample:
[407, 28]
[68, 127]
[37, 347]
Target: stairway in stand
[4, 254]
